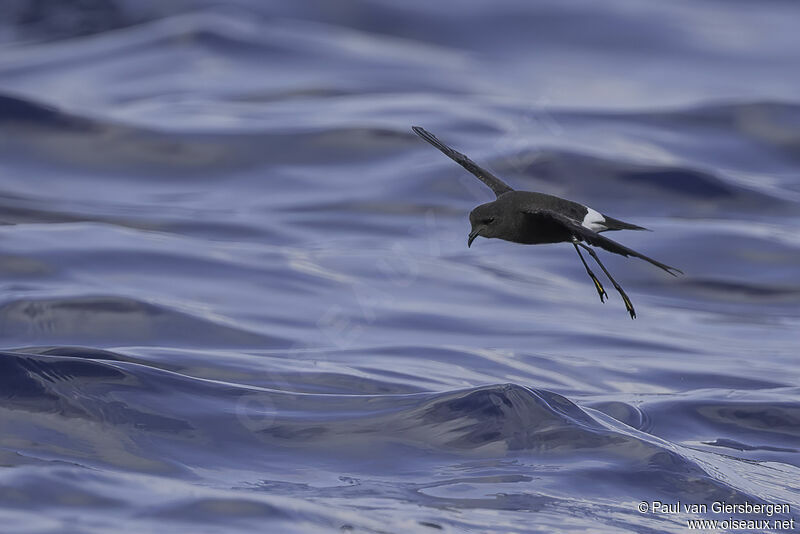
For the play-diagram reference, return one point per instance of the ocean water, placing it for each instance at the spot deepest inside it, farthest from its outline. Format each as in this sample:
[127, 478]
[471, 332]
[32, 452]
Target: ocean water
[237, 296]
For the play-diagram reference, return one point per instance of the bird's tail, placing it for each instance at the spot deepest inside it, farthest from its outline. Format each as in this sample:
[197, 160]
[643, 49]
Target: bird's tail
[611, 223]
[593, 238]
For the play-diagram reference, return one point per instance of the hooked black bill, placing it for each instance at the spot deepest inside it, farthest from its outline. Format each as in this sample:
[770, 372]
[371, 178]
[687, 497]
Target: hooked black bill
[472, 236]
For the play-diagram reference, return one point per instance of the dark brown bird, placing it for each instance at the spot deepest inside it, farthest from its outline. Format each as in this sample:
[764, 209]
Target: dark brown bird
[536, 218]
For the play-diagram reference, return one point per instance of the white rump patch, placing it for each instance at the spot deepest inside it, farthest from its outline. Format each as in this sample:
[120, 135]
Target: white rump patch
[594, 220]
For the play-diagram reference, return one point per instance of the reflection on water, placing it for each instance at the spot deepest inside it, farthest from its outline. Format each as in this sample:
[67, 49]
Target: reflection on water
[237, 292]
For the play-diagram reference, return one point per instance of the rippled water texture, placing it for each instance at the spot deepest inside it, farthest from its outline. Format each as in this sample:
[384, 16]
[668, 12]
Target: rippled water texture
[237, 297]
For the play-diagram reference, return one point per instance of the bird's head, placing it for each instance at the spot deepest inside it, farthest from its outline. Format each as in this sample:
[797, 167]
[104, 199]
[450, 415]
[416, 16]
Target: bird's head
[485, 221]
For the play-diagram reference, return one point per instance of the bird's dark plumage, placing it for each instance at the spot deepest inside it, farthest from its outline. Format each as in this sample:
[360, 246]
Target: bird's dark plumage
[535, 218]
[495, 184]
[594, 238]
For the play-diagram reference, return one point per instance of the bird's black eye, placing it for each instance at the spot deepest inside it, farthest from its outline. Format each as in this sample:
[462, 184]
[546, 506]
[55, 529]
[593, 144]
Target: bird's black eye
[488, 220]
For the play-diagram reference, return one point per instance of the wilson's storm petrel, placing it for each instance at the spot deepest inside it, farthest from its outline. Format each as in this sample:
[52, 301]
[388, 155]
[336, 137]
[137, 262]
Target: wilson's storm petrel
[535, 218]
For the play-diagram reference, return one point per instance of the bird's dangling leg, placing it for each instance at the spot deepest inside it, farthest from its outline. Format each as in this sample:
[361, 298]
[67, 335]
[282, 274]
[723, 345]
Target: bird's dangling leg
[625, 299]
[600, 289]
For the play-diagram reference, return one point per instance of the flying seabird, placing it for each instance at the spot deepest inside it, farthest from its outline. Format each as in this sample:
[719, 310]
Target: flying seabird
[535, 218]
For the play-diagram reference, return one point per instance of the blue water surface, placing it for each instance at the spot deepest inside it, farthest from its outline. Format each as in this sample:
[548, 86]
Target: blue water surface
[237, 296]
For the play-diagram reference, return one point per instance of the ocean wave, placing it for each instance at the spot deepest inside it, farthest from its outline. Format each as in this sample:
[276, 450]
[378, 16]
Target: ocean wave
[237, 291]
[137, 414]
[119, 320]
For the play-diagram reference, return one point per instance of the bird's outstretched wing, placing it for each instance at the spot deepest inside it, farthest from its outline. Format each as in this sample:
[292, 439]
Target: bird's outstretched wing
[496, 184]
[593, 238]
